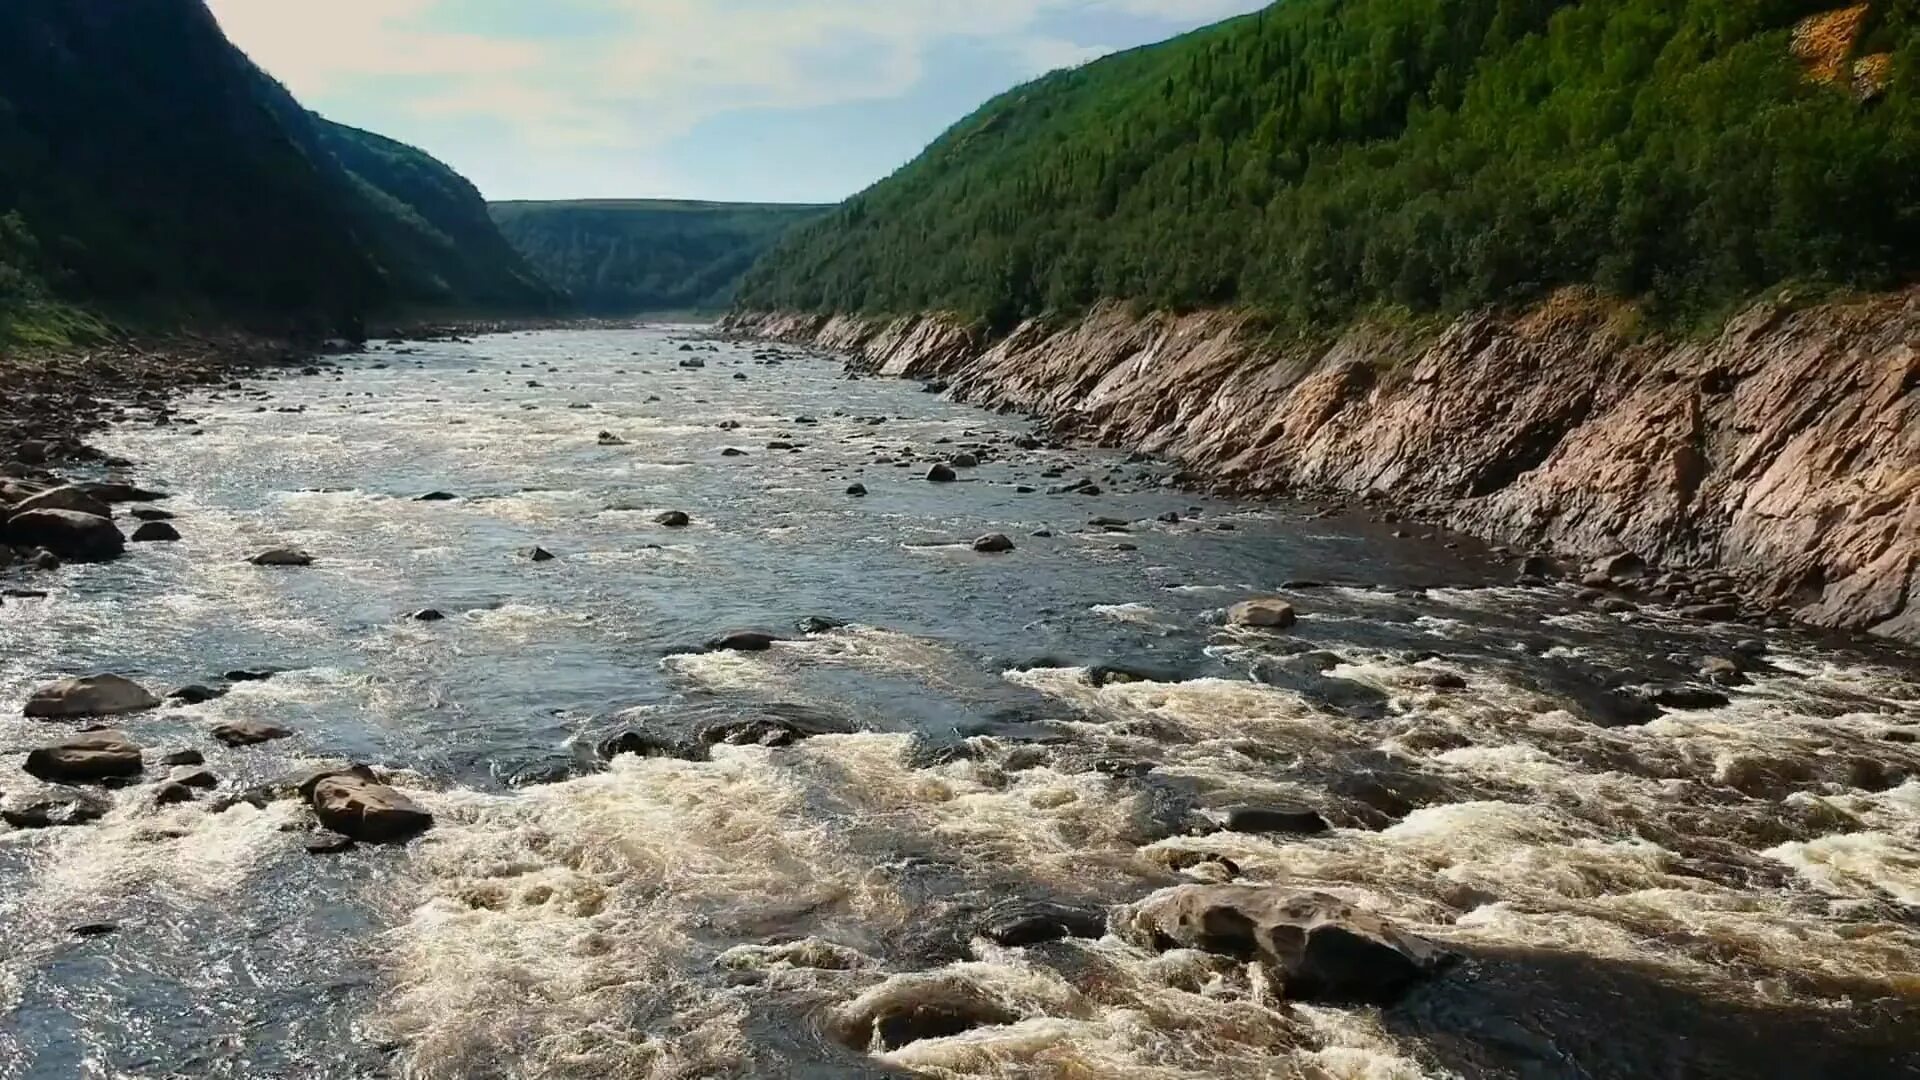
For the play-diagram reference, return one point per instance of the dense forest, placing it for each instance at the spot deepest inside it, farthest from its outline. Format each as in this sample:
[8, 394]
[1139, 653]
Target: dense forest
[1326, 157]
[624, 256]
[150, 174]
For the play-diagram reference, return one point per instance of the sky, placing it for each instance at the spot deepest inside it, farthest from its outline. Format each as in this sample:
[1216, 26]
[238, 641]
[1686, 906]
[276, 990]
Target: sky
[752, 100]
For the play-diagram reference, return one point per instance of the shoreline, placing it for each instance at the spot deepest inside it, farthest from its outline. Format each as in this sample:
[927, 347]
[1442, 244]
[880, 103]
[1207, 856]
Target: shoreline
[1756, 479]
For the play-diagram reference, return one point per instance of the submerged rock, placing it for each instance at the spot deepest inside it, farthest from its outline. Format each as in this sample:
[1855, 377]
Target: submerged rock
[673, 519]
[856, 490]
[248, 732]
[537, 554]
[282, 557]
[741, 641]
[89, 695]
[1298, 820]
[993, 543]
[1031, 922]
[941, 474]
[1314, 947]
[196, 694]
[54, 811]
[908, 1008]
[90, 756]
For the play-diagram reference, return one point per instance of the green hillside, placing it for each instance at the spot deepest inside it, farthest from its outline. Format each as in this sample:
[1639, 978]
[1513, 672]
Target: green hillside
[149, 173]
[623, 256]
[1326, 156]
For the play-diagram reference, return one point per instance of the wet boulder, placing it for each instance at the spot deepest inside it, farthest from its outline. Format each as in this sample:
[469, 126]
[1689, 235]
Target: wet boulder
[354, 804]
[282, 557]
[649, 744]
[54, 811]
[67, 497]
[68, 534]
[119, 491]
[428, 615]
[1267, 614]
[88, 757]
[941, 474]
[1684, 698]
[248, 732]
[964, 461]
[673, 519]
[741, 641]
[856, 489]
[1019, 923]
[993, 544]
[196, 694]
[1296, 820]
[154, 532]
[908, 1008]
[89, 695]
[818, 624]
[1312, 946]
[193, 776]
[774, 726]
[536, 554]
[608, 438]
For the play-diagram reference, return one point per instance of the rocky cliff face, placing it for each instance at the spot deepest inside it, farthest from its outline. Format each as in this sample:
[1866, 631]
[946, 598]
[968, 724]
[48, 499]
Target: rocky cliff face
[1786, 450]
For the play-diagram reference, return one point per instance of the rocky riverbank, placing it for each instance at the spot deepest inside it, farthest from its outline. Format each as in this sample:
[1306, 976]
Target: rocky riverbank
[1778, 462]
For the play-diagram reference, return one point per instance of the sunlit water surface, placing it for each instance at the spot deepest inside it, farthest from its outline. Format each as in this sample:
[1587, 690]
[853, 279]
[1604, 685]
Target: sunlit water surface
[1728, 892]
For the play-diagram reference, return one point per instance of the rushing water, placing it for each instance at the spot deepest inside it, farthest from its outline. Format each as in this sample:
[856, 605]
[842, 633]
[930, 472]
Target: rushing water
[1729, 892]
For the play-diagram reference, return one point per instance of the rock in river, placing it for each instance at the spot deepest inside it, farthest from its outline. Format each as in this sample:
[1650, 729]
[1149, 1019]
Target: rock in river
[354, 804]
[282, 557]
[248, 732]
[1315, 947]
[69, 534]
[92, 755]
[673, 519]
[155, 532]
[993, 543]
[1267, 613]
[90, 695]
[1275, 819]
[68, 497]
[742, 641]
[941, 474]
[1030, 922]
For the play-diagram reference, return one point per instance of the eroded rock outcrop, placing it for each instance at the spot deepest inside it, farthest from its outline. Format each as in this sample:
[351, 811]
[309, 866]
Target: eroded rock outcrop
[1786, 449]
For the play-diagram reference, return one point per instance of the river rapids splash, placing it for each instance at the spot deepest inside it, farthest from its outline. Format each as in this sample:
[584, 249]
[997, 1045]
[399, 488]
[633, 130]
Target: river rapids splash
[1724, 891]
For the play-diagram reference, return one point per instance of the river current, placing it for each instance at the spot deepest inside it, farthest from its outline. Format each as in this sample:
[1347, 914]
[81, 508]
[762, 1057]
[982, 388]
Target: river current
[1730, 891]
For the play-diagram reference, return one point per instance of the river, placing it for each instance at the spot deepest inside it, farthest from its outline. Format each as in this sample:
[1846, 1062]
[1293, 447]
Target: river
[1731, 891]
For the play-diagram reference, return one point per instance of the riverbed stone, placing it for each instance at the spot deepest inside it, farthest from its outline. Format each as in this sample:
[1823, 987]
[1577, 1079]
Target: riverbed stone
[196, 694]
[993, 543]
[66, 497]
[154, 532]
[354, 805]
[536, 554]
[1267, 613]
[1019, 923]
[282, 556]
[89, 695]
[741, 641]
[941, 474]
[88, 757]
[47, 811]
[193, 776]
[1296, 820]
[1313, 947]
[68, 534]
[248, 732]
[673, 519]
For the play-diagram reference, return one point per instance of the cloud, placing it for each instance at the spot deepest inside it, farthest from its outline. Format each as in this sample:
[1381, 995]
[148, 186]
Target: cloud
[665, 65]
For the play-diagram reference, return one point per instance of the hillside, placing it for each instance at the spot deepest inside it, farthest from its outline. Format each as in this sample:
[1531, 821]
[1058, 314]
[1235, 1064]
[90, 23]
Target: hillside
[1326, 157]
[151, 174]
[618, 257]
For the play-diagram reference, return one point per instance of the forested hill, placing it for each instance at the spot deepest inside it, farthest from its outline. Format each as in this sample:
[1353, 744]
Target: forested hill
[625, 256]
[1326, 156]
[151, 175]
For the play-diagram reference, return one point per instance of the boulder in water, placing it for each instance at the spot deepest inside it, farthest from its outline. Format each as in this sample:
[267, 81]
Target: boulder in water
[922, 1005]
[67, 534]
[1030, 922]
[993, 543]
[352, 803]
[436, 496]
[741, 641]
[856, 489]
[1314, 947]
[118, 491]
[248, 732]
[154, 532]
[53, 811]
[89, 756]
[89, 695]
[537, 554]
[1298, 820]
[964, 461]
[282, 557]
[427, 615]
[67, 497]
[1265, 613]
[941, 474]
[673, 519]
